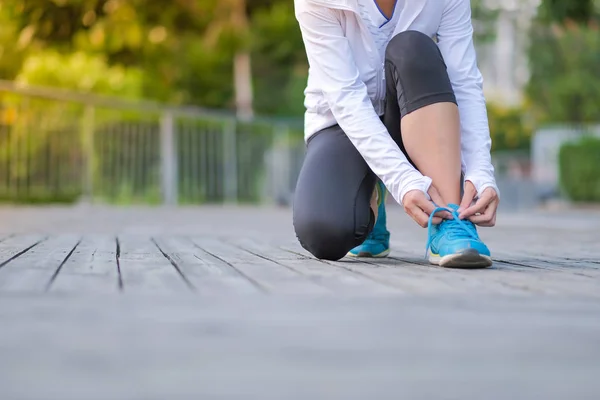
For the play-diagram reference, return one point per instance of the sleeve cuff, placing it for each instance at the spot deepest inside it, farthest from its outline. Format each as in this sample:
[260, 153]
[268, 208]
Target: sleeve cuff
[482, 183]
[422, 183]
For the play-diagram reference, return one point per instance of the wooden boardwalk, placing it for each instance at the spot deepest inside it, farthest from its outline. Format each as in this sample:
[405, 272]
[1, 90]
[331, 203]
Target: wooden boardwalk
[222, 302]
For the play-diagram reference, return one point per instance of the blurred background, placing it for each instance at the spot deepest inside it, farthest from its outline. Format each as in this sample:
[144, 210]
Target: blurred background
[201, 101]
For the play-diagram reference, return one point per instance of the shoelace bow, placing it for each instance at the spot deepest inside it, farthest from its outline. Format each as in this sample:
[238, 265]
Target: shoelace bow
[454, 227]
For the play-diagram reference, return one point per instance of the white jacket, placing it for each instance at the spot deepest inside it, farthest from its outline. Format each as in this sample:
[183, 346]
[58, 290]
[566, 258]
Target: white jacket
[346, 84]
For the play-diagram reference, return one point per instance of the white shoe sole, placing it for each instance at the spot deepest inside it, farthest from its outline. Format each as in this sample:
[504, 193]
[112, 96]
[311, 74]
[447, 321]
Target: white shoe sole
[468, 259]
[369, 255]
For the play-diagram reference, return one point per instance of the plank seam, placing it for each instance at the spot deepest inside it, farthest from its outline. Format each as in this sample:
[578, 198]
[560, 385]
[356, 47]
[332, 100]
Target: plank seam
[63, 262]
[118, 260]
[258, 285]
[19, 254]
[305, 276]
[369, 277]
[174, 264]
[425, 264]
[268, 259]
[546, 268]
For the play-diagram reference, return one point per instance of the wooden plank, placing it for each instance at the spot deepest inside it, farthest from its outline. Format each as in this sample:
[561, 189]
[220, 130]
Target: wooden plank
[32, 271]
[568, 265]
[270, 277]
[371, 270]
[380, 271]
[548, 281]
[92, 268]
[564, 266]
[208, 275]
[263, 347]
[558, 246]
[413, 275]
[421, 278]
[3, 237]
[511, 278]
[534, 257]
[339, 280]
[145, 269]
[15, 246]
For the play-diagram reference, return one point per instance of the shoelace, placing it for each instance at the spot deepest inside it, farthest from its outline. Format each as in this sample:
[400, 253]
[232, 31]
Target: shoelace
[454, 227]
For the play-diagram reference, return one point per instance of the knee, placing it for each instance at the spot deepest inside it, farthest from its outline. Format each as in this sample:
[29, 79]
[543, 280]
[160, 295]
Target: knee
[412, 51]
[325, 240]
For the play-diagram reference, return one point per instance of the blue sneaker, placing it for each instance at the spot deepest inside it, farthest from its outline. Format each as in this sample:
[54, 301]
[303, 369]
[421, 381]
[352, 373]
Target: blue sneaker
[377, 244]
[456, 244]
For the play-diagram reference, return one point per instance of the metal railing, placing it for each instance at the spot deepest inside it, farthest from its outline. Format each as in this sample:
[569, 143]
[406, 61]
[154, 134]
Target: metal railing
[63, 146]
[60, 146]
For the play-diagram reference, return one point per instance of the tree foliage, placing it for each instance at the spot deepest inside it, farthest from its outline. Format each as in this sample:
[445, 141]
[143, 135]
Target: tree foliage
[180, 51]
[561, 11]
[183, 47]
[564, 61]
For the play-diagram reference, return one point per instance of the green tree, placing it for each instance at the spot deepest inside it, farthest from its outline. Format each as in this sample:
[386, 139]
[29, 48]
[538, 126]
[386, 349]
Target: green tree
[561, 11]
[188, 51]
[564, 85]
[280, 66]
[131, 33]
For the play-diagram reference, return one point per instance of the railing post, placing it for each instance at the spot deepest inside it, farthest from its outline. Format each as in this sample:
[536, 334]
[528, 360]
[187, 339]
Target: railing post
[168, 153]
[282, 165]
[230, 176]
[87, 130]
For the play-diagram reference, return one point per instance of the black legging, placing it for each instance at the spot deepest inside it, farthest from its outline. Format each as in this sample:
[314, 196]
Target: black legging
[332, 212]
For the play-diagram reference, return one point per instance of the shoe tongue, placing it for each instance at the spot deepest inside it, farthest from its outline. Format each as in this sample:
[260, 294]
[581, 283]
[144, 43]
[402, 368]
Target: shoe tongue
[453, 207]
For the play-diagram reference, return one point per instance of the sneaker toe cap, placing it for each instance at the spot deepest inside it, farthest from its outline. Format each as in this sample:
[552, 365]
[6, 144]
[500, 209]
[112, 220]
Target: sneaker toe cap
[458, 247]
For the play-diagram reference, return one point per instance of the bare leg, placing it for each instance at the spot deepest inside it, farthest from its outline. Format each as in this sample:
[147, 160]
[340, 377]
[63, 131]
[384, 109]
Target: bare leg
[423, 118]
[421, 112]
[431, 137]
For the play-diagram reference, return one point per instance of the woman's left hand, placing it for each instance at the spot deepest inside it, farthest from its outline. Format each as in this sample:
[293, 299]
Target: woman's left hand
[483, 212]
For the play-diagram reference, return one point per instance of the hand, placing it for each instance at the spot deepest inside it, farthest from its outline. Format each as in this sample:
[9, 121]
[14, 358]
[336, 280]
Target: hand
[483, 212]
[419, 208]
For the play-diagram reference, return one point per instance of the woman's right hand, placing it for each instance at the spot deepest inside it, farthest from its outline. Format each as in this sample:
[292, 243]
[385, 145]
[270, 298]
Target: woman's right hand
[419, 207]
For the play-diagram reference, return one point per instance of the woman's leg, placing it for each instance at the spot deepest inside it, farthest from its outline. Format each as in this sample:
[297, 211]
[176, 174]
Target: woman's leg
[422, 116]
[332, 202]
[377, 244]
[421, 111]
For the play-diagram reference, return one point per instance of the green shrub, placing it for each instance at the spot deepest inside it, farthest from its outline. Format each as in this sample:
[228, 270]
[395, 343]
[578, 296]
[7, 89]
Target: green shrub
[509, 128]
[579, 164]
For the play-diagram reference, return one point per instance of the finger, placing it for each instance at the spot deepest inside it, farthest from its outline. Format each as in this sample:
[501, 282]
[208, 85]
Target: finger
[438, 202]
[488, 224]
[435, 197]
[480, 206]
[488, 218]
[428, 207]
[468, 197]
[417, 214]
[436, 221]
[481, 220]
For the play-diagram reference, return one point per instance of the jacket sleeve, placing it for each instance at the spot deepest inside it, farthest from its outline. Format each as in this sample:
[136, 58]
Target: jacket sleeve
[455, 40]
[331, 61]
